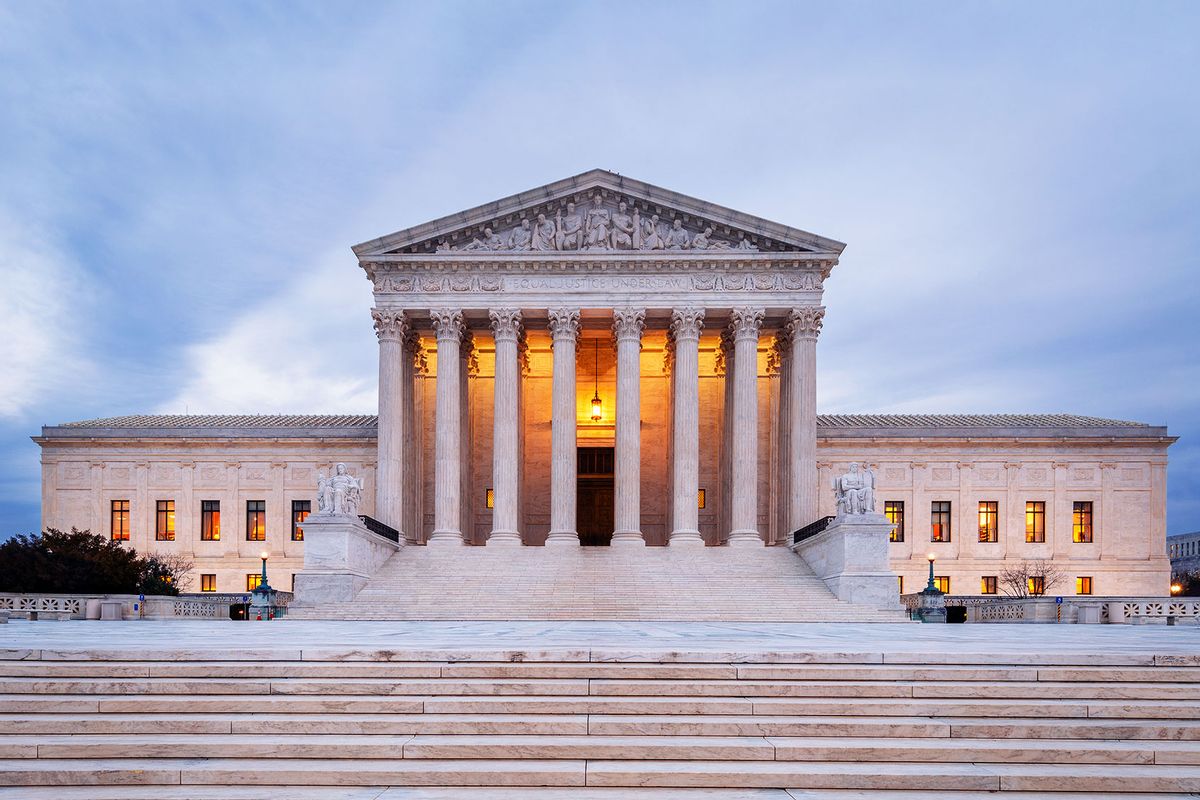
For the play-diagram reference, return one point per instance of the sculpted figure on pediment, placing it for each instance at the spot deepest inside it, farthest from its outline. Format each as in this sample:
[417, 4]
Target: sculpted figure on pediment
[652, 234]
[543, 234]
[677, 238]
[570, 229]
[599, 223]
[522, 236]
[623, 228]
[490, 241]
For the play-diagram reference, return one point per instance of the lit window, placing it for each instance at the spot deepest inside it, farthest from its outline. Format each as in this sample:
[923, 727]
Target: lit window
[901, 579]
[1035, 521]
[164, 526]
[939, 526]
[490, 499]
[894, 511]
[120, 520]
[989, 521]
[1081, 522]
[942, 583]
[700, 499]
[256, 520]
[210, 520]
[300, 510]
[1083, 585]
[253, 579]
[208, 583]
[1037, 584]
[987, 584]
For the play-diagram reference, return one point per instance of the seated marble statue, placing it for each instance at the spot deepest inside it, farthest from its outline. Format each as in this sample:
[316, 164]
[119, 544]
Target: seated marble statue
[340, 494]
[490, 241]
[855, 492]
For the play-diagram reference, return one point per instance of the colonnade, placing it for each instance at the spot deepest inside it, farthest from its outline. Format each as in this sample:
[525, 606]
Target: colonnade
[740, 356]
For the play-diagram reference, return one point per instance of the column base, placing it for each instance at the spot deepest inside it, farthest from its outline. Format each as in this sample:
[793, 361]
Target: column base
[563, 539]
[504, 539]
[446, 538]
[745, 539]
[628, 539]
[686, 539]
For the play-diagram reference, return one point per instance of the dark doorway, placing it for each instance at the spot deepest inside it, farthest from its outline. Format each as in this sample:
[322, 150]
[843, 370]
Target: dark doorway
[594, 496]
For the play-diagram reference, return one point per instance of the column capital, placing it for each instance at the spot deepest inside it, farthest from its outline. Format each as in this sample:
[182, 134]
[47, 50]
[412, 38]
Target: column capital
[628, 323]
[687, 322]
[564, 324]
[745, 321]
[805, 322]
[447, 323]
[506, 324]
[391, 326]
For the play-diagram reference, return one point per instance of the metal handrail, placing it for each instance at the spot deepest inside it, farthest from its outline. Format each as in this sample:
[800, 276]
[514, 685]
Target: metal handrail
[380, 529]
[811, 529]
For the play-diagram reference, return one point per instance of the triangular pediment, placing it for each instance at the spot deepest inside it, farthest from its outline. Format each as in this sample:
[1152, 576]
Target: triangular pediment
[597, 212]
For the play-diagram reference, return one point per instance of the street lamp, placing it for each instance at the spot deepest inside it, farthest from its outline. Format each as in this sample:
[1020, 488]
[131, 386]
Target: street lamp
[930, 587]
[266, 587]
[263, 595]
[1176, 589]
[931, 603]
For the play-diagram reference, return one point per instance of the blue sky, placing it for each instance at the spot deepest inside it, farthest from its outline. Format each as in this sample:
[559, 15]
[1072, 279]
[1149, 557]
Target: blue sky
[180, 183]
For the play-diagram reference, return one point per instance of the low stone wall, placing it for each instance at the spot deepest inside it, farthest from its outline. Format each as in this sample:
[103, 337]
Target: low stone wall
[75, 606]
[1110, 610]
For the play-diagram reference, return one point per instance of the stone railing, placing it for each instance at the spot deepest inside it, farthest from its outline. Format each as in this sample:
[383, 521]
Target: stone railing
[1114, 610]
[75, 606]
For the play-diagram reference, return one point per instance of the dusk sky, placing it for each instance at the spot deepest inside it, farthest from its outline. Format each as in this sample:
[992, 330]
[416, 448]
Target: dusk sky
[180, 184]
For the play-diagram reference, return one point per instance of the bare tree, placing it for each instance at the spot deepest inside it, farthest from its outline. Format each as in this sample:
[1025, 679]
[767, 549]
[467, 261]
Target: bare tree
[1023, 579]
[175, 569]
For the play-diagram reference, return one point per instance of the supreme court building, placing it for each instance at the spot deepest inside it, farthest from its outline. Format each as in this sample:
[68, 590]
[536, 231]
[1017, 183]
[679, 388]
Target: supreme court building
[603, 362]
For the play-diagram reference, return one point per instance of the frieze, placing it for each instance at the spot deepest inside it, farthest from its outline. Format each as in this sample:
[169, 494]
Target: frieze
[462, 284]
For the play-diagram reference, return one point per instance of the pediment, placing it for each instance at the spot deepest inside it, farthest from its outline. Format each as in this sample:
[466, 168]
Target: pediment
[596, 212]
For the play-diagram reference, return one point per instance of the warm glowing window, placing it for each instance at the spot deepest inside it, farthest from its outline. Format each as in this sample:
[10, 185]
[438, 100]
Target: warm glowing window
[256, 520]
[700, 499]
[210, 520]
[939, 522]
[894, 511]
[490, 498]
[253, 579]
[164, 525]
[900, 578]
[208, 583]
[1035, 521]
[1083, 585]
[1037, 584]
[942, 583]
[120, 520]
[1081, 522]
[987, 584]
[300, 509]
[989, 521]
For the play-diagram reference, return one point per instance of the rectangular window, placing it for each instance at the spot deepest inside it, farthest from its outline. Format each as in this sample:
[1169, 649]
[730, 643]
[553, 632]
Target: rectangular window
[1083, 585]
[894, 511]
[987, 584]
[901, 579]
[939, 525]
[208, 583]
[210, 520]
[1037, 585]
[164, 525]
[942, 583]
[300, 509]
[489, 499]
[1081, 522]
[989, 521]
[1035, 521]
[256, 520]
[700, 499]
[120, 521]
[253, 579]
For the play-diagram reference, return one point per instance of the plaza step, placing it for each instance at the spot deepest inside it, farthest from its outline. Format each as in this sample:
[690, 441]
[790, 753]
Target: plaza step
[597, 583]
[678, 725]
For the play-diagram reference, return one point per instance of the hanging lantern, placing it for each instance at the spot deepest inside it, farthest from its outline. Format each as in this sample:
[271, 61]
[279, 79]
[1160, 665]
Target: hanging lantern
[597, 404]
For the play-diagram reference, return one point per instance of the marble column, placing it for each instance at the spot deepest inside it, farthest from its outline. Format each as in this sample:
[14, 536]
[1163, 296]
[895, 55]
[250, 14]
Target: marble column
[627, 498]
[447, 505]
[804, 325]
[391, 327]
[685, 435]
[412, 365]
[744, 325]
[506, 331]
[564, 331]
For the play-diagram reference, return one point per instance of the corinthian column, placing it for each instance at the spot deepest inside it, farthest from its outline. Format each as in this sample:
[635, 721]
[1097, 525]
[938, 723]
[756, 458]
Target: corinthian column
[627, 495]
[804, 326]
[744, 326]
[506, 330]
[685, 448]
[391, 327]
[447, 506]
[564, 331]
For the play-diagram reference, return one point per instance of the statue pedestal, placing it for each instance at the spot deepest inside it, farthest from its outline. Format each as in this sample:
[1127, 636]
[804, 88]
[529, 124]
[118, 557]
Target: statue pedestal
[340, 555]
[851, 556]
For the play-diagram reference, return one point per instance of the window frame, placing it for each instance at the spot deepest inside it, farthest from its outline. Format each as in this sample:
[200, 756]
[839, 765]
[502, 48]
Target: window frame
[253, 581]
[1080, 585]
[894, 511]
[256, 513]
[1035, 522]
[164, 520]
[940, 581]
[989, 584]
[936, 513]
[1082, 522]
[1036, 585]
[118, 511]
[208, 582]
[303, 507]
[210, 520]
[989, 521]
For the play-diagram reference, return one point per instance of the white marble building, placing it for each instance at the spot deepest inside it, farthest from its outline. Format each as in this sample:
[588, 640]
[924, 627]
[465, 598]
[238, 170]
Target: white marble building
[694, 328]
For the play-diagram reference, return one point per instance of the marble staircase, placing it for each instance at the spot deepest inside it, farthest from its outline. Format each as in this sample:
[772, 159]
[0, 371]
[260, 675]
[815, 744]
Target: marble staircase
[598, 583]
[652, 725]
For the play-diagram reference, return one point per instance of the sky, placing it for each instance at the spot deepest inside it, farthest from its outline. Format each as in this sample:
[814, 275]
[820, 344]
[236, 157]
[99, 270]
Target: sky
[181, 182]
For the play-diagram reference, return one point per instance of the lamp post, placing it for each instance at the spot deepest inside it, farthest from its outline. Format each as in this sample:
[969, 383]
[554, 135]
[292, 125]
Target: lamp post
[263, 595]
[930, 587]
[1176, 588]
[266, 587]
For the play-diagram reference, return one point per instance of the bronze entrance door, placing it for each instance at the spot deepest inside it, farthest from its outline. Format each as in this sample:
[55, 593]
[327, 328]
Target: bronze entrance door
[594, 496]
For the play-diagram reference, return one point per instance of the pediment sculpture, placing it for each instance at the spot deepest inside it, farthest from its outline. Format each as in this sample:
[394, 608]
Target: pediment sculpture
[340, 494]
[600, 227]
[855, 492]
